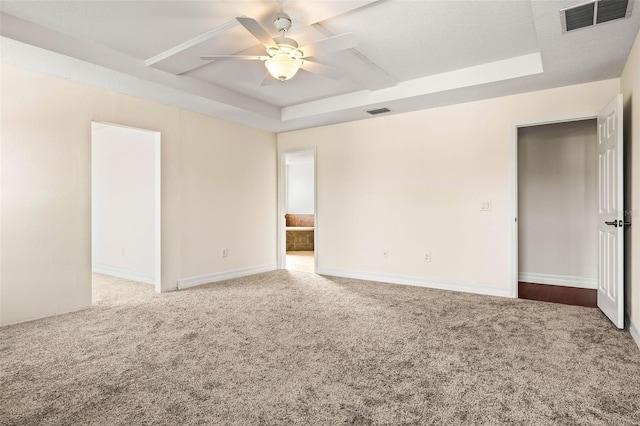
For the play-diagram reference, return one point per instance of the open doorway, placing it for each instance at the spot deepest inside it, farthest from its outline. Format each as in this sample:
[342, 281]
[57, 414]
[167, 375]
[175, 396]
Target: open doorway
[609, 207]
[297, 227]
[125, 205]
[557, 175]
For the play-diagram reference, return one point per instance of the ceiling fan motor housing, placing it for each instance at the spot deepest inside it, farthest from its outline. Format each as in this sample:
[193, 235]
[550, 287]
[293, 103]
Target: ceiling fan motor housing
[282, 22]
[286, 46]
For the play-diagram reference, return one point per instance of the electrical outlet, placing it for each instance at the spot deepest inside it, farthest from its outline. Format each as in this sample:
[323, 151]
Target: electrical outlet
[385, 254]
[427, 257]
[485, 206]
[224, 252]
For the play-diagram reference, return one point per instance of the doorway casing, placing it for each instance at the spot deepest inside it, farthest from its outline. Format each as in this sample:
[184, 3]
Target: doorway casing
[514, 180]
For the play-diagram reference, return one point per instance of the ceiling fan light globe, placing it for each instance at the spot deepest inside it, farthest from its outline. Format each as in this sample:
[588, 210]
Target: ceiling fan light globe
[282, 67]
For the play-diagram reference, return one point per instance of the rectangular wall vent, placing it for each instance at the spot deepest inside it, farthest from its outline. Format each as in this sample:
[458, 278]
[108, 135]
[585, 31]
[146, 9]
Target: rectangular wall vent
[593, 13]
[379, 111]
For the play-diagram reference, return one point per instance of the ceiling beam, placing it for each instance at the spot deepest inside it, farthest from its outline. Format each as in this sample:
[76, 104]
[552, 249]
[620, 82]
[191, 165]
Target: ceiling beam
[193, 42]
[481, 74]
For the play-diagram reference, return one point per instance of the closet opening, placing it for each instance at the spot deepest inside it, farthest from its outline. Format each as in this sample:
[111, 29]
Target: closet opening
[557, 212]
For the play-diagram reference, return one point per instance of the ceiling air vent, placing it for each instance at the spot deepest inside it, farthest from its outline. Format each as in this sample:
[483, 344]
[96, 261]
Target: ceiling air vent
[379, 111]
[593, 13]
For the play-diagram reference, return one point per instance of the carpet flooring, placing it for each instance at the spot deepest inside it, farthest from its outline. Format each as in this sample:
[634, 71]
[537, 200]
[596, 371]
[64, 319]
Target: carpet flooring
[296, 348]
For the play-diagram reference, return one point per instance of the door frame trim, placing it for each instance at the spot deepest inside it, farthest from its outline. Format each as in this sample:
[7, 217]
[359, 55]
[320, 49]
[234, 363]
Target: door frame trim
[281, 245]
[514, 179]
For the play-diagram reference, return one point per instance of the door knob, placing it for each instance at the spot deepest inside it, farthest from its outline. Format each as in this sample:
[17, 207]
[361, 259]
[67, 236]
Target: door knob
[612, 223]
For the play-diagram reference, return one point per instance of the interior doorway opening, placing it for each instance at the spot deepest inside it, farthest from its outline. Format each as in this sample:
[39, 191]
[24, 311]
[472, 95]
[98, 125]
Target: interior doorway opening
[557, 193]
[125, 204]
[612, 218]
[297, 229]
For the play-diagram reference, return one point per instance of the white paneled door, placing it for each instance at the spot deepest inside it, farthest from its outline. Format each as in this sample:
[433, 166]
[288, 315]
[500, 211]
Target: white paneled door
[611, 213]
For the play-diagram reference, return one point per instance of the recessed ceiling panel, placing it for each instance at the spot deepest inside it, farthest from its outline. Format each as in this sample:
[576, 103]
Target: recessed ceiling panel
[141, 29]
[411, 39]
[144, 29]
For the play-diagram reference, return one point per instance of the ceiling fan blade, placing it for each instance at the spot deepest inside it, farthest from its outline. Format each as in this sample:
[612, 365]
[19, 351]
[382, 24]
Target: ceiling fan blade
[241, 57]
[324, 70]
[330, 44]
[257, 31]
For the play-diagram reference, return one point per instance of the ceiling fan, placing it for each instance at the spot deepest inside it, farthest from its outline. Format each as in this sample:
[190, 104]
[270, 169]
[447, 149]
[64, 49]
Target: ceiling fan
[284, 57]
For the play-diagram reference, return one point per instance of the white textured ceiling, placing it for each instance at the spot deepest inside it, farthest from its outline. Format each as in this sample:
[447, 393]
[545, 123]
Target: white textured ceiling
[412, 39]
[410, 55]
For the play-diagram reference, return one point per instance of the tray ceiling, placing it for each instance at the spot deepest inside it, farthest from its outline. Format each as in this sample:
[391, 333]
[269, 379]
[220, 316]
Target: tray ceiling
[410, 54]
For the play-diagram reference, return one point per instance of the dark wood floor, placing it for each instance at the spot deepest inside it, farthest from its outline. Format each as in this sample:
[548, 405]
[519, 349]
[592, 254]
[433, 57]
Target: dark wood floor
[558, 294]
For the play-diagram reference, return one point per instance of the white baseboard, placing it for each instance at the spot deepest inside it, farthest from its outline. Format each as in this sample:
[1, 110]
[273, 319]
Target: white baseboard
[419, 282]
[127, 274]
[221, 276]
[635, 335]
[45, 316]
[563, 280]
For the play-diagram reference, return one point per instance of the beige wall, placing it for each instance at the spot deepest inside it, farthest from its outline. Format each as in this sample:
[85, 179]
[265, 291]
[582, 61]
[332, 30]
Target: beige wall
[228, 196]
[413, 183]
[557, 203]
[218, 179]
[630, 88]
